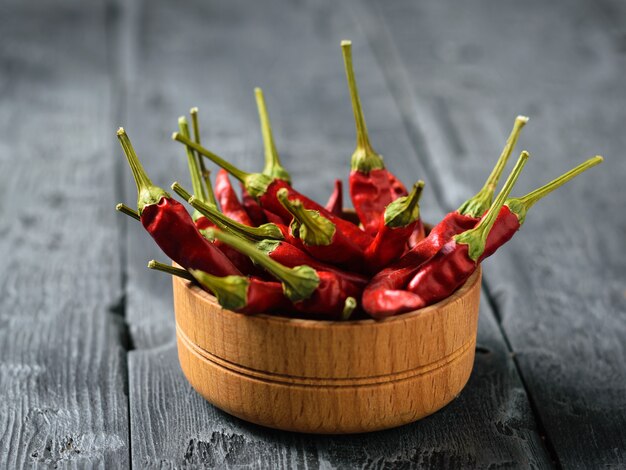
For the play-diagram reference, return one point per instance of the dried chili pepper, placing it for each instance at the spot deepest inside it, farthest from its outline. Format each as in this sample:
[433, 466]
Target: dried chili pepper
[264, 189]
[253, 209]
[398, 223]
[320, 293]
[320, 237]
[274, 240]
[241, 294]
[372, 186]
[211, 217]
[273, 167]
[170, 225]
[384, 296]
[228, 199]
[335, 201]
[458, 259]
[513, 213]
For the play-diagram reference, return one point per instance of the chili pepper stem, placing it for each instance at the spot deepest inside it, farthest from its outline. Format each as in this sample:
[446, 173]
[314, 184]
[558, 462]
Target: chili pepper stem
[206, 174]
[182, 192]
[312, 228]
[521, 205]
[231, 291]
[124, 209]
[476, 238]
[299, 283]
[147, 192]
[153, 264]
[364, 158]
[273, 167]
[404, 210]
[194, 169]
[262, 232]
[478, 204]
[256, 183]
[348, 307]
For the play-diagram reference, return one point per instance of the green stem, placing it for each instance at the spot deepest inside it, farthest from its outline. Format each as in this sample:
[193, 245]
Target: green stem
[312, 228]
[480, 202]
[206, 174]
[256, 183]
[404, 210]
[520, 205]
[166, 268]
[348, 307]
[364, 158]
[299, 283]
[182, 192]
[231, 292]
[476, 238]
[124, 209]
[147, 192]
[194, 169]
[262, 232]
[273, 167]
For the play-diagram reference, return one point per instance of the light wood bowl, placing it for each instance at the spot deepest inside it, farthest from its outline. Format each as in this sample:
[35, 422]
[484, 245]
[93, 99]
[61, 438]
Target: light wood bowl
[323, 376]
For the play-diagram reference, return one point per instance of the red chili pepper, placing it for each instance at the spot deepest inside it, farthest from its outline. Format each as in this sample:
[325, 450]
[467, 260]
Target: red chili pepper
[274, 240]
[228, 199]
[238, 293]
[320, 293]
[320, 237]
[372, 187]
[398, 223]
[457, 260]
[170, 225]
[335, 201]
[253, 209]
[264, 189]
[384, 296]
[513, 213]
[273, 167]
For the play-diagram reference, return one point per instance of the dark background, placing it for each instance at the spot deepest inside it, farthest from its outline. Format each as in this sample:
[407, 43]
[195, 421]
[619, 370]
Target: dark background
[88, 366]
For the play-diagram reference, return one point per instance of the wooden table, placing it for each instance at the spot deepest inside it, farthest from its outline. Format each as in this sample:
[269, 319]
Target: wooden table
[88, 367]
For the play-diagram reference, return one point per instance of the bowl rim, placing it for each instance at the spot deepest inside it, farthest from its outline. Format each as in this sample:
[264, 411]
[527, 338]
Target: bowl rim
[205, 296]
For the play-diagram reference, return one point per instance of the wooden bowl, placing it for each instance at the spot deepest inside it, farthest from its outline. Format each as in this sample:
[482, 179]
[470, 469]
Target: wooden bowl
[323, 376]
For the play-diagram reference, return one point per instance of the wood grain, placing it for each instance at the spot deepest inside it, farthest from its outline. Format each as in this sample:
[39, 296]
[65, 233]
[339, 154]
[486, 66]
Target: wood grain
[559, 285]
[209, 54]
[326, 377]
[63, 388]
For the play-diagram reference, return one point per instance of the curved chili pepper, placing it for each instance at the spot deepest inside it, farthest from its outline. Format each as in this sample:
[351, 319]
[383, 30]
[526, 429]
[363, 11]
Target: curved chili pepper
[399, 221]
[335, 201]
[372, 187]
[457, 260]
[170, 225]
[320, 293]
[384, 296]
[274, 240]
[238, 293]
[513, 213]
[273, 167]
[320, 237]
[228, 199]
[213, 218]
[264, 189]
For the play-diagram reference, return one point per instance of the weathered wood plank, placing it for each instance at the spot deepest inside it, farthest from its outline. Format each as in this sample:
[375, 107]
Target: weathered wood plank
[212, 54]
[559, 286]
[63, 396]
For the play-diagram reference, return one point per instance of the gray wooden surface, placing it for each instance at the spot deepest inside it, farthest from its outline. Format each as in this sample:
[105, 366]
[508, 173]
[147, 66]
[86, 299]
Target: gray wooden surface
[88, 367]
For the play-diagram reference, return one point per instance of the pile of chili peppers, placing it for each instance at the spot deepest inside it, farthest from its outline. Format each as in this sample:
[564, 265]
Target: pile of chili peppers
[277, 251]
